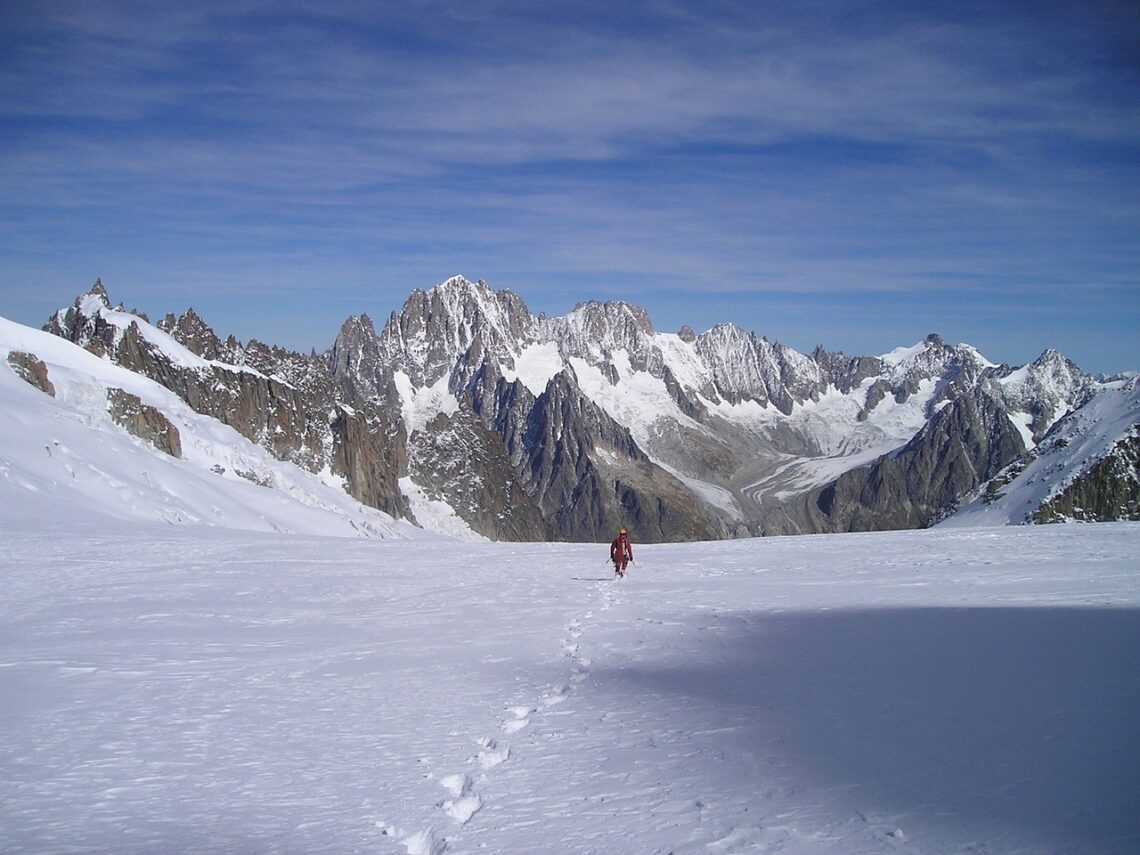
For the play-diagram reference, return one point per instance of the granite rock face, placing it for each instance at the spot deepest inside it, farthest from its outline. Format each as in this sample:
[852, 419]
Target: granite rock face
[460, 461]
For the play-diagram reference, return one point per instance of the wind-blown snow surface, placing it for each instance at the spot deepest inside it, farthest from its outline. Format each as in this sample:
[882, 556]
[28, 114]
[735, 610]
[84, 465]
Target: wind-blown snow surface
[186, 688]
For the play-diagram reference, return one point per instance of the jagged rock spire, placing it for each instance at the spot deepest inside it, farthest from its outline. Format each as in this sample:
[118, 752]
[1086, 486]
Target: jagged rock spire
[96, 290]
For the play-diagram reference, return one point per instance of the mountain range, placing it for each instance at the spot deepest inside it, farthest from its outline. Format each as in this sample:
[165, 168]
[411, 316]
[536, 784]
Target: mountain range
[531, 427]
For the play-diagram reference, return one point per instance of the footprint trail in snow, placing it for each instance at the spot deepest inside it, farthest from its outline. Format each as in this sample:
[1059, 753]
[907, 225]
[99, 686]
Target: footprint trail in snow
[465, 789]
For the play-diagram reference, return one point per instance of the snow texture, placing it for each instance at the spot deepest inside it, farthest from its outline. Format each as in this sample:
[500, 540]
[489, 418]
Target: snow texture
[183, 688]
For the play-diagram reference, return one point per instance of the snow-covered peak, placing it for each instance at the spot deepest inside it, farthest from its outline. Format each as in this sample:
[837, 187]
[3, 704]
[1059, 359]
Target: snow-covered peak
[605, 316]
[972, 353]
[903, 355]
[801, 372]
[747, 367]
[1056, 370]
[726, 332]
[594, 330]
[1051, 371]
[457, 319]
[1045, 390]
[906, 368]
[929, 357]
[458, 281]
[94, 299]
[503, 312]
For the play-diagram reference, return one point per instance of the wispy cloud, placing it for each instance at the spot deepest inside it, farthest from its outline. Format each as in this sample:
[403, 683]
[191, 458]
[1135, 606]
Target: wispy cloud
[541, 89]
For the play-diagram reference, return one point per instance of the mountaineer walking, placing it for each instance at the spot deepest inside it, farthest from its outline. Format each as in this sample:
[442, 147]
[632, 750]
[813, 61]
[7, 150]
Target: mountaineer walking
[621, 553]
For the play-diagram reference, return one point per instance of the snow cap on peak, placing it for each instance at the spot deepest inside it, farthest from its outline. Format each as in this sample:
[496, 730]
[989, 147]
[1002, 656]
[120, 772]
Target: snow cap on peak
[1054, 364]
[613, 311]
[459, 289]
[904, 355]
[727, 329]
[95, 299]
[98, 290]
[1050, 356]
[459, 281]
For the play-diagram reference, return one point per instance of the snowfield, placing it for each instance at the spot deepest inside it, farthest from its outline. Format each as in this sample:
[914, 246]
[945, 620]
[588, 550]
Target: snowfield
[189, 688]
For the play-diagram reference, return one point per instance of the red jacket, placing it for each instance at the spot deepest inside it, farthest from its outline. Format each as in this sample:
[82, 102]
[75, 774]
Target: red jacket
[616, 548]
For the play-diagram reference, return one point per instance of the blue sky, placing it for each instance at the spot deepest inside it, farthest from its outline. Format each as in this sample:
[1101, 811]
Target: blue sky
[835, 172]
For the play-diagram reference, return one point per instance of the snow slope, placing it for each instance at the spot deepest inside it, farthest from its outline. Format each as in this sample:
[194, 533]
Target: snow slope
[178, 688]
[65, 452]
[1078, 443]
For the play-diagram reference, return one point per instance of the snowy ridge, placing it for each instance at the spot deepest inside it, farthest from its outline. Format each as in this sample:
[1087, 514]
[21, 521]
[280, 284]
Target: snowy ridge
[1076, 443]
[724, 411]
[725, 365]
[94, 306]
[66, 453]
[593, 330]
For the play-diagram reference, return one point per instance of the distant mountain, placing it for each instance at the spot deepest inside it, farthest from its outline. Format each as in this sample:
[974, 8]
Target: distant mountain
[529, 427]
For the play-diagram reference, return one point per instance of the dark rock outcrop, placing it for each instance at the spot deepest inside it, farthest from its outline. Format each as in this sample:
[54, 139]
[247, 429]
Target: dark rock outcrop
[191, 332]
[32, 370]
[460, 461]
[144, 421]
[590, 477]
[1109, 490]
[369, 453]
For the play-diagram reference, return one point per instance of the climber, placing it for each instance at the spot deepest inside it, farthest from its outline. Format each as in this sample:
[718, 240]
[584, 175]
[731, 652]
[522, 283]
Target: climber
[621, 553]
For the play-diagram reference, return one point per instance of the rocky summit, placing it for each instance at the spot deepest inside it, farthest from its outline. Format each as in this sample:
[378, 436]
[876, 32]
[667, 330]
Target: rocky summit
[529, 427]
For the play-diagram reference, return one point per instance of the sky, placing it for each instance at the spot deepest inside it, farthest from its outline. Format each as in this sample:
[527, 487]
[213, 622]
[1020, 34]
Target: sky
[832, 172]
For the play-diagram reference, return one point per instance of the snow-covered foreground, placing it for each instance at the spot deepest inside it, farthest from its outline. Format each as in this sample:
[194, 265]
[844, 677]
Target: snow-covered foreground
[200, 689]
